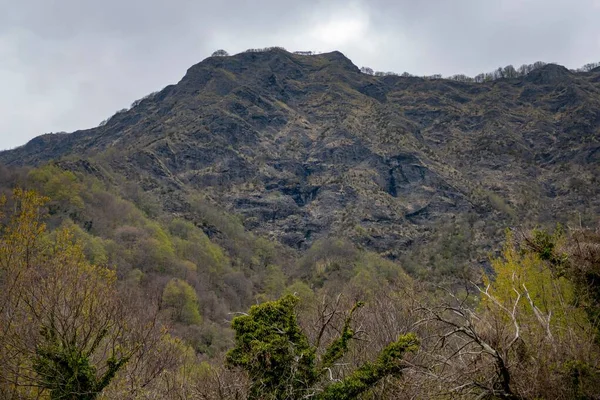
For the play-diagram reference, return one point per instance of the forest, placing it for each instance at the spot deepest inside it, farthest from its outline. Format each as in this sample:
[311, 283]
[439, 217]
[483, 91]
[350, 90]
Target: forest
[103, 295]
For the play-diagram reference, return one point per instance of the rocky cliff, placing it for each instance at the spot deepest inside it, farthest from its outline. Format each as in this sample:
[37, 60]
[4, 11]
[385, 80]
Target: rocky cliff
[307, 146]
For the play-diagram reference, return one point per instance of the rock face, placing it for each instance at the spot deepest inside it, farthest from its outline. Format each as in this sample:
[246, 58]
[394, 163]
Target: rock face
[306, 146]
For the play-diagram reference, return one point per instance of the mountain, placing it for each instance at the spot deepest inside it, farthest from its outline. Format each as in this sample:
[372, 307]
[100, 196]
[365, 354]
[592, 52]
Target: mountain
[306, 146]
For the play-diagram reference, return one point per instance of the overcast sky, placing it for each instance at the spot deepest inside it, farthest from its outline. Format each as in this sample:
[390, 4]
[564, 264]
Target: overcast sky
[68, 64]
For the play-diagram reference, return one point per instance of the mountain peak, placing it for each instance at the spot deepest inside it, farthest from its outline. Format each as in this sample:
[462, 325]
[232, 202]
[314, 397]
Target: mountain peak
[241, 61]
[255, 67]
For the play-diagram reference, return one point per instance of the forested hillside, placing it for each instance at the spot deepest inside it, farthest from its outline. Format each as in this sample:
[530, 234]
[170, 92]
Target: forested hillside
[285, 226]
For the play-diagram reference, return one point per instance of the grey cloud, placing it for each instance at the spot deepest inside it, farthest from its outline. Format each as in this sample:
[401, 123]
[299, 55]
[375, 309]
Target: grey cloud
[471, 36]
[67, 64]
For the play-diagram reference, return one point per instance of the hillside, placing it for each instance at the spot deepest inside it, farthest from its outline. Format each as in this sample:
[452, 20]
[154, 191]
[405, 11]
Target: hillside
[304, 147]
[284, 226]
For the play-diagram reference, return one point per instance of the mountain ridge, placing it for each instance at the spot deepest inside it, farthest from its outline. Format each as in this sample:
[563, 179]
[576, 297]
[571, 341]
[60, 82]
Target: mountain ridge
[303, 147]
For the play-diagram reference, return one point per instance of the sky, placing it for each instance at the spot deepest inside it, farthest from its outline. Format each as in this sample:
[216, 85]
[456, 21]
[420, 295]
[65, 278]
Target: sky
[69, 64]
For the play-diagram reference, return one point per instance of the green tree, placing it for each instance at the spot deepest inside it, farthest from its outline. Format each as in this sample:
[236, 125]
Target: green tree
[282, 364]
[183, 300]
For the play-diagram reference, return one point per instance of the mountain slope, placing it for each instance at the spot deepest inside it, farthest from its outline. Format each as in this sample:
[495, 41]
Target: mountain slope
[304, 147]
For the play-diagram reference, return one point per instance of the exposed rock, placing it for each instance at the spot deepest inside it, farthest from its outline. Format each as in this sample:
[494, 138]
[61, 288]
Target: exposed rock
[307, 146]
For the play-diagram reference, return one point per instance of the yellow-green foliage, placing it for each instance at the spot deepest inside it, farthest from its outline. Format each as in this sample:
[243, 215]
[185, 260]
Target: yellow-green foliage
[93, 246]
[161, 248]
[180, 373]
[159, 234]
[135, 275]
[243, 247]
[335, 262]
[303, 292]
[264, 251]
[193, 245]
[372, 270]
[226, 223]
[521, 273]
[182, 299]
[59, 311]
[327, 257]
[59, 185]
[274, 283]
[496, 201]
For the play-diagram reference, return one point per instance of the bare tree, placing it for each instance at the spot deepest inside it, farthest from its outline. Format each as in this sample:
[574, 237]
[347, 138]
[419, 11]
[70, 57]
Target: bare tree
[502, 342]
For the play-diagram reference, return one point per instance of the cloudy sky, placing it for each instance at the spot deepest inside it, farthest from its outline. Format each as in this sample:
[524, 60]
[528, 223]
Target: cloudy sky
[68, 64]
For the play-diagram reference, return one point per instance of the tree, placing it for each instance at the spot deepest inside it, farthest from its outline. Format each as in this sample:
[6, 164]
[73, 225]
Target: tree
[367, 70]
[525, 69]
[479, 78]
[282, 364]
[274, 281]
[499, 73]
[576, 258]
[526, 337]
[510, 72]
[461, 78]
[590, 66]
[64, 331]
[183, 300]
[366, 376]
[220, 53]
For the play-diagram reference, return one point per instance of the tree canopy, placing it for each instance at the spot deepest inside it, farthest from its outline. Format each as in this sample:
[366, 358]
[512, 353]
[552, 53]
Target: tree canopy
[281, 363]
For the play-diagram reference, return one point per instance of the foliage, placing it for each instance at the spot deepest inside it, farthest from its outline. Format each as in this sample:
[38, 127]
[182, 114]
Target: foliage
[59, 185]
[281, 363]
[119, 244]
[525, 275]
[58, 310]
[366, 376]
[67, 373]
[339, 347]
[220, 53]
[273, 350]
[264, 49]
[303, 292]
[275, 281]
[182, 299]
[192, 244]
[576, 259]
[527, 338]
[507, 72]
